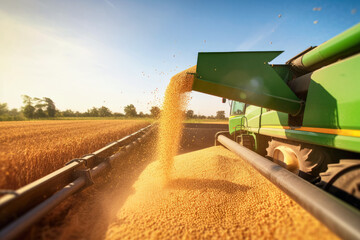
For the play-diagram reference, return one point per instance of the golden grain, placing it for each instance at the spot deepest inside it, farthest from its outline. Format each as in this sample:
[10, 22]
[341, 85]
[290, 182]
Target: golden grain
[171, 119]
[214, 194]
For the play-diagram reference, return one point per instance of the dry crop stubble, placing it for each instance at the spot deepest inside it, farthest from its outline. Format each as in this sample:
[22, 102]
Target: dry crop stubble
[30, 150]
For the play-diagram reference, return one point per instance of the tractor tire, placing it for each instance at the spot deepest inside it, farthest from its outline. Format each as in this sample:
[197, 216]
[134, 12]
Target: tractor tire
[343, 180]
[248, 142]
[305, 160]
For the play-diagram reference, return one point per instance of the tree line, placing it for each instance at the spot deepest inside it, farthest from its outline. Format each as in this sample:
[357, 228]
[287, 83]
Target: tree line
[219, 115]
[40, 108]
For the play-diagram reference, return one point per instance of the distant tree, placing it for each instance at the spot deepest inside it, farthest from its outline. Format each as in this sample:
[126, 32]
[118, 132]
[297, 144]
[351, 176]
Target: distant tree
[14, 112]
[130, 110]
[44, 107]
[86, 114]
[220, 114]
[40, 106]
[104, 112]
[39, 113]
[39, 103]
[141, 114]
[58, 113]
[3, 108]
[116, 114]
[9, 115]
[28, 109]
[50, 107]
[94, 112]
[27, 100]
[68, 113]
[189, 114]
[155, 111]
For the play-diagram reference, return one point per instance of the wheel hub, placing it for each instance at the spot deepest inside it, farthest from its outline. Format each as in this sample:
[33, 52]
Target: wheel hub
[287, 158]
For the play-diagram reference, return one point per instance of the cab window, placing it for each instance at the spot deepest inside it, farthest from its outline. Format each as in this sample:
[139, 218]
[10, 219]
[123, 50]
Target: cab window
[237, 108]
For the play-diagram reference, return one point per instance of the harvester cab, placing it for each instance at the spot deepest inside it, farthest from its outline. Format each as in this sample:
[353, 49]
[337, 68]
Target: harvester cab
[303, 114]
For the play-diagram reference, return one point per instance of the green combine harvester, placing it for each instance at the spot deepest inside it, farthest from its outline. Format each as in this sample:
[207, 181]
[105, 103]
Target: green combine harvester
[304, 115]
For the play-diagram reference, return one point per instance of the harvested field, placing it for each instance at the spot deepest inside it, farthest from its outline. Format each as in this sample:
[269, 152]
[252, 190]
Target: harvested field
[30, 150]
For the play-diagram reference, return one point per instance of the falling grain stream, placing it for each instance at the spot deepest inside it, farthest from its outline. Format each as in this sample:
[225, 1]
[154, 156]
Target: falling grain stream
[209, 193]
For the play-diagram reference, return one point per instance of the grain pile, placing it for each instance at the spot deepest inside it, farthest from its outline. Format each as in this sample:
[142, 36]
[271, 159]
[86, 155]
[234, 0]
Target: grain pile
[213, 194]
[30, 150]
[171, 118]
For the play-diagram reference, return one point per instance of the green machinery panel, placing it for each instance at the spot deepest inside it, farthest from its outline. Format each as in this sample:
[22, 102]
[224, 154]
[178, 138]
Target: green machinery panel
[342, 45]
[333, 100]
[246, 77]
[273, 118]
[253, 114]
[235, 123]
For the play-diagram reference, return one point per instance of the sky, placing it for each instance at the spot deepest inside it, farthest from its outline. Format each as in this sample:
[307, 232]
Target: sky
[113, 53]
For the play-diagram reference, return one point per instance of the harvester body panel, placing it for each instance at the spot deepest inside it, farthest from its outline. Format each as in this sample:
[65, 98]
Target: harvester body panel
[253, 114]
[333, 99]
[320, 105]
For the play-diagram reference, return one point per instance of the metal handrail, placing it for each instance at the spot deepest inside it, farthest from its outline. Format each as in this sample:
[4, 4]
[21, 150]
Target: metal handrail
[240, 126]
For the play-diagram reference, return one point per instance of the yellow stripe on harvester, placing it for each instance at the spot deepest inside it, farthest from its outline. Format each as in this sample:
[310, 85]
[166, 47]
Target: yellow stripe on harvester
[342, 132]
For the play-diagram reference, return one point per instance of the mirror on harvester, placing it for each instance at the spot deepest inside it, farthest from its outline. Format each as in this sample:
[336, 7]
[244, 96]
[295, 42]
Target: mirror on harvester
[224, 100]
